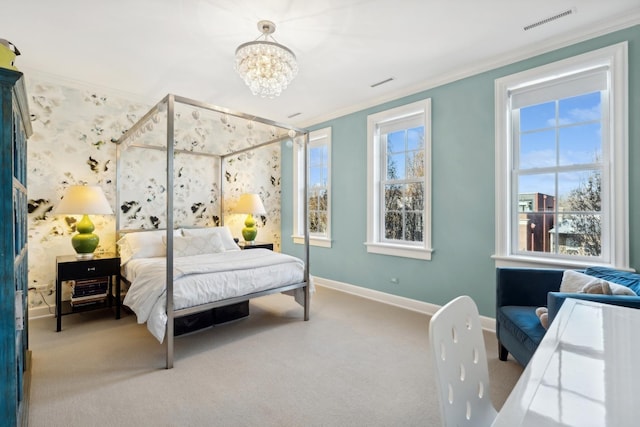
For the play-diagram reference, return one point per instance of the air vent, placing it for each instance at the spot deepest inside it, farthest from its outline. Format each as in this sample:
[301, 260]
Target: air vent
[293, 115]
[550, 19]
[390, 79]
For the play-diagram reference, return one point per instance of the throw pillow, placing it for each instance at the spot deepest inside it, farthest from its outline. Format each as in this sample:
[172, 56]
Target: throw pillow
[574, 281]
[196, 245]
[625, 278]
[223, 231]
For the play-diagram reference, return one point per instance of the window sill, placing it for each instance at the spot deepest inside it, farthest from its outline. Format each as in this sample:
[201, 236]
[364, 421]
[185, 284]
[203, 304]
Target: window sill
[398, 250]
[529, 261]
[322, 242]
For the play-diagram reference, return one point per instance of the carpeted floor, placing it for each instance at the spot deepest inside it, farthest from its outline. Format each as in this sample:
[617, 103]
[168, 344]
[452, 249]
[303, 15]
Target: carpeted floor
[355, 363]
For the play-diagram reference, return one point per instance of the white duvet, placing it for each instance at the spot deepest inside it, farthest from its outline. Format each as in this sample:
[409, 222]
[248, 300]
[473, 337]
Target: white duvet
[200, 279]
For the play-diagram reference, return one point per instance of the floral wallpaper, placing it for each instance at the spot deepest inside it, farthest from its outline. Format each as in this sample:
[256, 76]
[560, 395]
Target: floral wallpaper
[74, 130]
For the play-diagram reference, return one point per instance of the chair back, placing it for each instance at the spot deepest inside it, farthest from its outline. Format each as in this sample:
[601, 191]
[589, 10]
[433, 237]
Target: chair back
[460, 361]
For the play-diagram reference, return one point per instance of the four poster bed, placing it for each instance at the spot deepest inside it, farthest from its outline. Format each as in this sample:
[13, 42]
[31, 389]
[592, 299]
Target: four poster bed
[177, 255]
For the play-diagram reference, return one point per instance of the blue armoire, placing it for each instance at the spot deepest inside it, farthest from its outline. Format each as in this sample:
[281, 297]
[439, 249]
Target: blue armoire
[15, 128]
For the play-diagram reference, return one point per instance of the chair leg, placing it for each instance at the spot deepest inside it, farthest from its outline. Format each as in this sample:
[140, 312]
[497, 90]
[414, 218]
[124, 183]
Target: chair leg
[502, 352]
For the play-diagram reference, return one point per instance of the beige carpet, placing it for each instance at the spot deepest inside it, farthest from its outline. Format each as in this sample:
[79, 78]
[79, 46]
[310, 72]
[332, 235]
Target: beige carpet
[355, 363]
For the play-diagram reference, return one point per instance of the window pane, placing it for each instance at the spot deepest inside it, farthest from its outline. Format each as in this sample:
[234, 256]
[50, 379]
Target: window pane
[581, 144]
[322, 222]
[580, 191]
[393, 197]
[322, 200]
[579, 235]
[313, 201]
[414, 196]
[579, 109]
[538, 149]
[396, 166]
[415, 164]
[415, 138]
[317, 156]
[395, 142]
[393, 225]
[539, 116]
[313, 222]
[535, 226]
[537, 183]
[317, 177]
[413, 230]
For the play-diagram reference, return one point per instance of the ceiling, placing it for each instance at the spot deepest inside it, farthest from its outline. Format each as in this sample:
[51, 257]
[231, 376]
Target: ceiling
[148, 48]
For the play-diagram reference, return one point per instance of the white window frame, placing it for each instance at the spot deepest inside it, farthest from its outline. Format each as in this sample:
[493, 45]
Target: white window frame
[316, 138]
[615, 156]
[376, 167]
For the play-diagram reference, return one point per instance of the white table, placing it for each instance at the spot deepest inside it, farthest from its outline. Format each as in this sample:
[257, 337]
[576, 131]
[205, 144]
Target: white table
[586, 371]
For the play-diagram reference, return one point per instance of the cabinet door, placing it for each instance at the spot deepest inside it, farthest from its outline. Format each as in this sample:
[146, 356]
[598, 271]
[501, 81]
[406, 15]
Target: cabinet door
[14, 130]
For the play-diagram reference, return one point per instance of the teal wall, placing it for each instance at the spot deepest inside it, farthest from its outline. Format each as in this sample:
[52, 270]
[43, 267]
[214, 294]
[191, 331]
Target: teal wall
[463, 189]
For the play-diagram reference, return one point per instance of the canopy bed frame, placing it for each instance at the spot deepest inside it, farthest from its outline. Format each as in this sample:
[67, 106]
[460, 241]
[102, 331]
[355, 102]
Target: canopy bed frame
[181, 128]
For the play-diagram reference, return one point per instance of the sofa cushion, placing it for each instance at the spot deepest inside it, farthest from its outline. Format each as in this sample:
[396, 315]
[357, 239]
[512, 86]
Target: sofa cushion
[631, 280]
[523, 323]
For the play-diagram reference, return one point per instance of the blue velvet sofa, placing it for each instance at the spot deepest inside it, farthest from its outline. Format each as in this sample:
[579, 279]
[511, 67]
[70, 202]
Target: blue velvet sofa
[519, 291]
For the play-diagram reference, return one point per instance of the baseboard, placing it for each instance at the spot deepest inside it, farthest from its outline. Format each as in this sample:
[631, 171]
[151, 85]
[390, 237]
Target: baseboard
[38, 312]
[488, 323]
[26, 387]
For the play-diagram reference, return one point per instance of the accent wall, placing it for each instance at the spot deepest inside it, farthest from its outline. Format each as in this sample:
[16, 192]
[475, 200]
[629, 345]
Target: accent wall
[463, 199]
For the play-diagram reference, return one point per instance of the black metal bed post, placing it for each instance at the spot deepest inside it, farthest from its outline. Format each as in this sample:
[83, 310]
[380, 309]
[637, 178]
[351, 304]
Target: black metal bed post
[169, 258]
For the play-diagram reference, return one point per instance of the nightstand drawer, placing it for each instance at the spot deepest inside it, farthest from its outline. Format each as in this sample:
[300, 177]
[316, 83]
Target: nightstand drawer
[88, 269]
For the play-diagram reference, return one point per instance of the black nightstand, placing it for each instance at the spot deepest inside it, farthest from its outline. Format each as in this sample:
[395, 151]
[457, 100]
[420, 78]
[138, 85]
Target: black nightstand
[68, 267]
[255, 245]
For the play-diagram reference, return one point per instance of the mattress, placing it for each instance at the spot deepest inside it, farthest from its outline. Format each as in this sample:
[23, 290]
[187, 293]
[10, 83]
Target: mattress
[205, 278]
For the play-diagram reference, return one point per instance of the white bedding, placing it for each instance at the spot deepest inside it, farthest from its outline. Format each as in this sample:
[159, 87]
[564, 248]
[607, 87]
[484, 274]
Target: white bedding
[200, 279]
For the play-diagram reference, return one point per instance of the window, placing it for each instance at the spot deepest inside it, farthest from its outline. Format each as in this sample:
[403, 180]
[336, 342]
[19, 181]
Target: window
[561, 159]
[318, 191]
[399, 181]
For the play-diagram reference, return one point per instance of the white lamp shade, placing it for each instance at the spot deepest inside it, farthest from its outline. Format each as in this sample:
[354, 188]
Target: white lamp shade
[250, 204]
[84, 200]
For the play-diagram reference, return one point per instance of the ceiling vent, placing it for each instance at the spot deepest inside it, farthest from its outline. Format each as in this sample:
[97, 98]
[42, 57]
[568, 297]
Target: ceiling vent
[550, 19]
[390, 79]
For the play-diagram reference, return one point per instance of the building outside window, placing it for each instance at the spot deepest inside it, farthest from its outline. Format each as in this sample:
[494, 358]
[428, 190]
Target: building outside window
[561, 150]
[399, 181]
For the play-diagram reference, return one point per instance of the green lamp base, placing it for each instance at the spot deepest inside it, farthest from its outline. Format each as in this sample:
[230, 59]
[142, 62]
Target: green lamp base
[249, 232]
[85, 242]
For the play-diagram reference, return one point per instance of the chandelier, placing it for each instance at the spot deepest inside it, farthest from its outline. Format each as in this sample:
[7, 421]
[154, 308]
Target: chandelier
[267, 67]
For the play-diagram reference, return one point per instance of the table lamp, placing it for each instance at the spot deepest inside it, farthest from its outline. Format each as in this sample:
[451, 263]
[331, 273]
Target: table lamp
[84, 200]
[250, 204]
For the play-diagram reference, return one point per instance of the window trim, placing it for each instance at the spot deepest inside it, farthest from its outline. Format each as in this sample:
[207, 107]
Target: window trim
[615, 57]
[375, 243]
[298, 165]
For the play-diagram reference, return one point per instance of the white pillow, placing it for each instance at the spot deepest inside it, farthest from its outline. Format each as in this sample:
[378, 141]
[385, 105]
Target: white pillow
[196, 245]
[224, 233]
[617, 289]
[574, 281]
[143, 244]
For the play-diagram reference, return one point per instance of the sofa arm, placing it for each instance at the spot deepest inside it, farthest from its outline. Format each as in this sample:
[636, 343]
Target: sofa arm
[556, 299]
[526, 286]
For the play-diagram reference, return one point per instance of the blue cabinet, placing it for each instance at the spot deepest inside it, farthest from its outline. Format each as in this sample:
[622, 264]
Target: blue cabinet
[15, 128]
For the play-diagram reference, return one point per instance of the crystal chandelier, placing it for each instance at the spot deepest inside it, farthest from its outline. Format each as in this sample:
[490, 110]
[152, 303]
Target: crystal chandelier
[266, 66]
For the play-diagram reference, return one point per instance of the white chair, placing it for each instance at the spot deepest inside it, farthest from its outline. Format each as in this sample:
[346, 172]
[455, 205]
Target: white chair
[460, 361]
